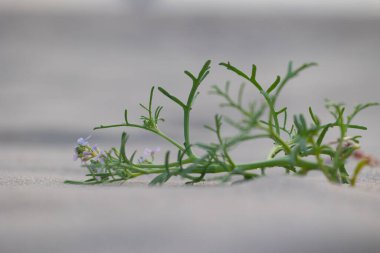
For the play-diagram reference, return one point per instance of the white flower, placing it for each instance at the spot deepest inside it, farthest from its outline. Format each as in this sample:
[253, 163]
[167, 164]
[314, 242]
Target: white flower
[83, 141]
[151, 152]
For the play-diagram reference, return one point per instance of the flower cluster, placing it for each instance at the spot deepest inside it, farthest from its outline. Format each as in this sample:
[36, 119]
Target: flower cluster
[85, 152]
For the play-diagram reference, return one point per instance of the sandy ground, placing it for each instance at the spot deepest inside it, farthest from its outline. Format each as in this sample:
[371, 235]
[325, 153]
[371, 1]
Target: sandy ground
[62, 74]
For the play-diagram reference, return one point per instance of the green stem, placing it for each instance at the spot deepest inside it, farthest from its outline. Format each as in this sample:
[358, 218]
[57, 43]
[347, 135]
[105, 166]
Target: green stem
[155, 131]
[186, 119]
[280, 162]
[320, 162]
[186, 131]
[284, 162]
[275, 162]
[224, 148]
[357, 170]
[175, 164]
[272, 113]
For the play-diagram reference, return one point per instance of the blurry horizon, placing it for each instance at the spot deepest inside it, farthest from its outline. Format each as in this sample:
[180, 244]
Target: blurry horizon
[367, 8]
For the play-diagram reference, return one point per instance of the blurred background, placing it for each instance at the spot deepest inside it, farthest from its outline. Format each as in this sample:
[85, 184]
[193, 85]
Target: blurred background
[67, 66]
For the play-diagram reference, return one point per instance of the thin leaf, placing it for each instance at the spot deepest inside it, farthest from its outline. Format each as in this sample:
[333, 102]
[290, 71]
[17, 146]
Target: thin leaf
[240, 94]
[322, 135]
[274, 85]
[173, 98]
[126, 116]
[123, 156]
[313, 117]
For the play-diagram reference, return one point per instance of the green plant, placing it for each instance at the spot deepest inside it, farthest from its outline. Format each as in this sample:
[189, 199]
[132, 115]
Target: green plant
[299, 146]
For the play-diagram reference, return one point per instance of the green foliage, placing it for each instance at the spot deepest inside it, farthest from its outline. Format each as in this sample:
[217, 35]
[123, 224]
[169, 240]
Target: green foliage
[299, 146]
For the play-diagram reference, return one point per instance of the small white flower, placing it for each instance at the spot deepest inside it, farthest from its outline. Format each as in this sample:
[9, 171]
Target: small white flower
[83, 141]
[151, 152]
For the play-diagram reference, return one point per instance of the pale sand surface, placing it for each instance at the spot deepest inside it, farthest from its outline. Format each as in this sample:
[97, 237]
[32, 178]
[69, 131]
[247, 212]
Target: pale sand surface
[62, 74]
[278, 214]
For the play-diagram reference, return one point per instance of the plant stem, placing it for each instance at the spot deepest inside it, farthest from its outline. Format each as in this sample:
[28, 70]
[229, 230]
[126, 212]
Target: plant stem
[186, 119]
[175, 164]
[155, 131]
[357, 170]
[186, 131]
